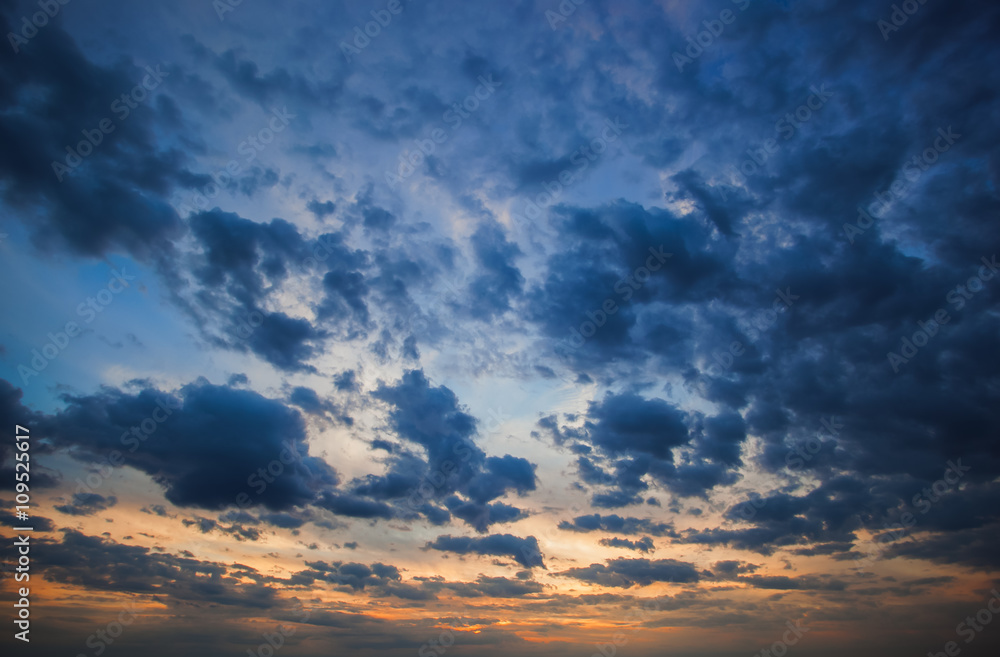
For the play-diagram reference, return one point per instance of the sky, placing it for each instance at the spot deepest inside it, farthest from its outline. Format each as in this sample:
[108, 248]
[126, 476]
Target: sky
[591, 327]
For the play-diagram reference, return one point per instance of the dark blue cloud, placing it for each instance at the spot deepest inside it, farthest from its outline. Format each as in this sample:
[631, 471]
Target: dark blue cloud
[208, 446]
[355, 576]
[503, 474]
[286, 342]
[629, 424]
[644, 544]
[308, 400]
[632, 439]
[240, 256]
[494, 587]
[354, 506]
[499, 282]
[431, 418]
[347, 381]
[105, 565]
[524, 551]
[617, 524]
[114, 197]
[452, 475]
[282, 520]
[87, 504]
[480, 515]
[626, 573]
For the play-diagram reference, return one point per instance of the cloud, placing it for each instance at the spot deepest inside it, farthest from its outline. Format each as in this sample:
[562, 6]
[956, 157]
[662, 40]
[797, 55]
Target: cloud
[430, 417]
[524, 551]
[449, 475]
[206, 445]
[626, 573]
[355, 576]
[105, 565]
[499, 282]
[354, 506]
[38, 523]
[971, 548]
[495, 587]
[309, 401]
[113, 198]
[87, 504]
[637, 438]
[503, 474]
[629, 424]
[617, 524]
[644, 544]
[782, 583]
